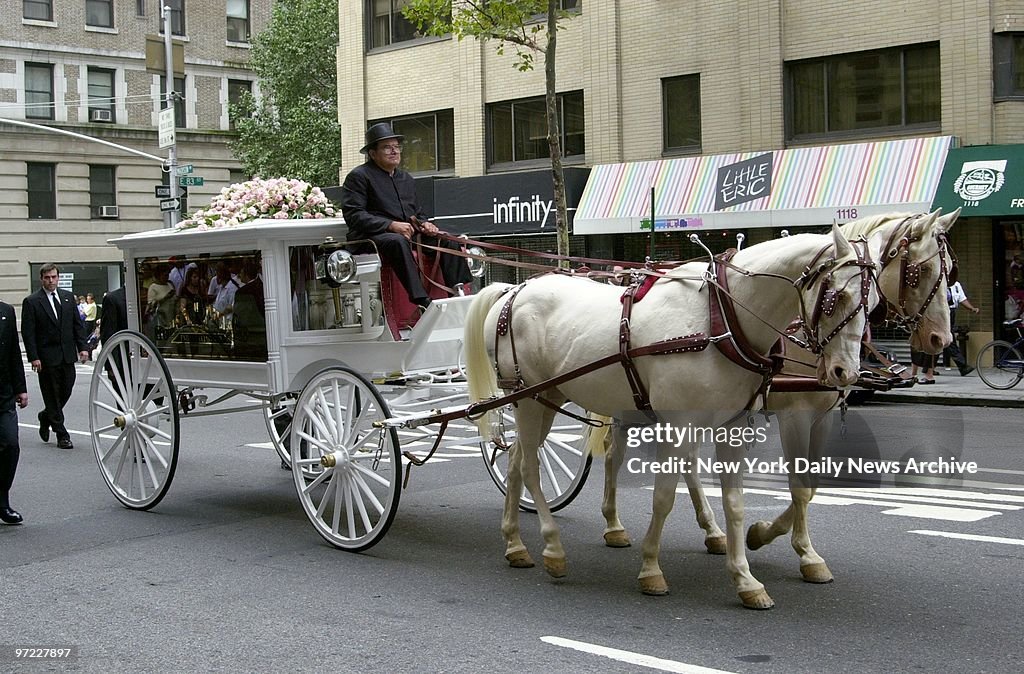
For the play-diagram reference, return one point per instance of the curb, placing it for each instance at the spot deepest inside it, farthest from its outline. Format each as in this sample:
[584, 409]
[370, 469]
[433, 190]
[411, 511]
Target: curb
[964, 401]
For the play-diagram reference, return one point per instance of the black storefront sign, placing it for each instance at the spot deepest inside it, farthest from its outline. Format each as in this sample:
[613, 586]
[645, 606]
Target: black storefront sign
[743, 181]
[503, 204]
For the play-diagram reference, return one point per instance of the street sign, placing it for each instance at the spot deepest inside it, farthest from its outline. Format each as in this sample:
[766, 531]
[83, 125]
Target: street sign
[183, 170]
[162, 191]
[170, 205]
[166, 128]
[190, 180]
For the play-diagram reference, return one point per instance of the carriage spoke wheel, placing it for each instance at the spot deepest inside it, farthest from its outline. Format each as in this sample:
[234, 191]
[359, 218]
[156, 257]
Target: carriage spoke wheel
[133, 420]
[347, 472]
[1006, 369]
[564, 462]
[279, 427]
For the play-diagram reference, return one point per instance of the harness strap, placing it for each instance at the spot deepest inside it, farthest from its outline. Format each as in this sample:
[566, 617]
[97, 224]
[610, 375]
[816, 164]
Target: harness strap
[640, 397]
[504, 327]
[736, 347]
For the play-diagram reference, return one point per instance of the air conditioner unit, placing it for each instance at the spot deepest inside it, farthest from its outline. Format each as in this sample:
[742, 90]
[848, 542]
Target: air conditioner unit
[100, 116]
[108, 211]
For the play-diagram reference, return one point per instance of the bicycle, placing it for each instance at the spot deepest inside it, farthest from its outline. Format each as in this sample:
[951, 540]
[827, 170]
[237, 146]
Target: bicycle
[1007, 368]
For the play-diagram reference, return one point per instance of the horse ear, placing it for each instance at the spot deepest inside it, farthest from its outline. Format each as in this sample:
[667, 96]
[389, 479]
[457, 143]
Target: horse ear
[922, 225]
[843, 246]
[946, 221]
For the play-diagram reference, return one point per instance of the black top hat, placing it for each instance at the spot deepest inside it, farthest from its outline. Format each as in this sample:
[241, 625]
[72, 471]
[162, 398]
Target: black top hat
[377, 133]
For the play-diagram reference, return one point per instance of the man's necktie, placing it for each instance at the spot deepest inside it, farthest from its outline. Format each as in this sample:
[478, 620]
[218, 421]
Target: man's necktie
[56, 305]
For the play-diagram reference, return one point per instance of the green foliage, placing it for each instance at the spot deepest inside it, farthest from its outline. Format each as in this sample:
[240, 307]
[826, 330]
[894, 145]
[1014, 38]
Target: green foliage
[518, 23]
[292, 130]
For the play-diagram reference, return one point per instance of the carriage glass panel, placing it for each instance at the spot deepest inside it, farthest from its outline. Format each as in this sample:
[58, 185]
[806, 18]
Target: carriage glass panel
[352, 307]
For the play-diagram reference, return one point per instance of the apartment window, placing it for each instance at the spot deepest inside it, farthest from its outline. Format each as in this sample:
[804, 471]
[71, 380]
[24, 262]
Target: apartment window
[429, 144]
[519, 129]
[680, 111]
[42, 191]
[236, 90]
[179, 100]
[101, 92]
[40, 10]
[38, 91]
[101, 190]
[140, 7]
[238, 20]
[99, 13]
[1008, 58]
[862, 93]
[387, 23]
[569, 4]
[177, 16]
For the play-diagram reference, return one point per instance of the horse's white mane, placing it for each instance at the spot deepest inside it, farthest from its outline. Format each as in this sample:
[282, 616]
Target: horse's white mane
[865, 226]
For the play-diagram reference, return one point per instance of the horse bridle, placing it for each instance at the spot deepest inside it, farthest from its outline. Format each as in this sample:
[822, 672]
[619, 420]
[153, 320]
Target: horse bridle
[825, 304]
[910, 277]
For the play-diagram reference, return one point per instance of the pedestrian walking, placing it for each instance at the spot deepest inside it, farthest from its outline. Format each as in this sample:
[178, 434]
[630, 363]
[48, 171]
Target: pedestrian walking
[13, 392]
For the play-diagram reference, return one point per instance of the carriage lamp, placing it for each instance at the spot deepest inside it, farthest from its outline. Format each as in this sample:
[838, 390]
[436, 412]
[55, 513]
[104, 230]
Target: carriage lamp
[477, 266]
[336, 268]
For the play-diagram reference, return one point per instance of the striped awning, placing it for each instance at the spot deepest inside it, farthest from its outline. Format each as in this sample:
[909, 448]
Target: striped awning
[778, 188]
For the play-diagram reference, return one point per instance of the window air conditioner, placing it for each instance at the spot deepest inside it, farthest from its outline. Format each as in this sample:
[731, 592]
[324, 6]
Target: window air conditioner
[108, 211]
[100, 116]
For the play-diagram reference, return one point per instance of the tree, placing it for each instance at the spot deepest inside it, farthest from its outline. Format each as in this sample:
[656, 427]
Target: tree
[292, 129]
[515, 23]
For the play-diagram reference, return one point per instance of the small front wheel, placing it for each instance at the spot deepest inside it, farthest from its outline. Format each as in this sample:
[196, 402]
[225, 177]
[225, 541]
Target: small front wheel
[347, 470]
[1006, 368]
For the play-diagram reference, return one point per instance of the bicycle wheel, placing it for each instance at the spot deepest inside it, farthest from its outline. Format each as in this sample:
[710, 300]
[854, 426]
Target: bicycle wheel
[1006, 368]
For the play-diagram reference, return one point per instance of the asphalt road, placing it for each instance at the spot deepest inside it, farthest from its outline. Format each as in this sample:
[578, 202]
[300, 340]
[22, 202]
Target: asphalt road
[227, 574]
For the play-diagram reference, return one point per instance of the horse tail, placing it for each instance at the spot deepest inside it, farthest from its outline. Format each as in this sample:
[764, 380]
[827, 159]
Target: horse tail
[596, 439]
[480, 374]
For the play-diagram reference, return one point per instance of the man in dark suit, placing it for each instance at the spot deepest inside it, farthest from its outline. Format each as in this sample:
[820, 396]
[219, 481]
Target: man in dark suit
[249, 314]
[12, 392]
[54, 336]
[114, 314]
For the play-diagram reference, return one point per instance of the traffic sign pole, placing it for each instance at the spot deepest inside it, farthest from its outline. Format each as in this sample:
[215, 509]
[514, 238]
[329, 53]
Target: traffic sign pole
[172, 151]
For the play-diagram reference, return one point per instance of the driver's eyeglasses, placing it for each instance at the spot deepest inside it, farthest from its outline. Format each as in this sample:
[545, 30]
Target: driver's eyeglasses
[390, 149]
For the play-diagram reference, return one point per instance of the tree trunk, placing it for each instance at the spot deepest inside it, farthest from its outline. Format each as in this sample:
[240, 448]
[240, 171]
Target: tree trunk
[554, 136]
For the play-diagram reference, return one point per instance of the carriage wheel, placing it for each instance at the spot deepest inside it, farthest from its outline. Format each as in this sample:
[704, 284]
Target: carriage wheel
[133, 419]
[564, 461]
[347, 472]
[279, 427]
[1007, 368]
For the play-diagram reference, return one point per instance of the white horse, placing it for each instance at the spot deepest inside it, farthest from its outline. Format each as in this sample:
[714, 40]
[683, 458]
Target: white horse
[554, 325]
[914, 264]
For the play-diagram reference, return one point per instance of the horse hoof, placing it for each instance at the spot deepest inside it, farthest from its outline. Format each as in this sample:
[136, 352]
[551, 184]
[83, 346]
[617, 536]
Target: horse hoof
[816, 573]
[617, 539]
[757, 600]
[715, 545]
[654, 585]
[754, 535]
[520, 559]
[555, 566]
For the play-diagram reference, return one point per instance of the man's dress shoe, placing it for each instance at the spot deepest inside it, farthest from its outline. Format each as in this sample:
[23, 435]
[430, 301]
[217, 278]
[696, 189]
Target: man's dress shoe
[9, 516]
[65, 443]
[44, 431]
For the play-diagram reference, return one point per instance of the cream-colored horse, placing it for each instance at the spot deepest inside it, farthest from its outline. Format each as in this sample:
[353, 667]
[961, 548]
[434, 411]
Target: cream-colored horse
[558, 324]
[914, 289]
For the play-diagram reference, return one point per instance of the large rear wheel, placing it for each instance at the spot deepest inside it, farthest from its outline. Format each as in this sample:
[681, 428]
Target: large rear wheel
[133, 419]
[347, 471]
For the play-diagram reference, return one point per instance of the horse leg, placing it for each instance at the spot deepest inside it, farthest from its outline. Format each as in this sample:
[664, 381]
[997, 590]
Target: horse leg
[515, 550]
[533, 422]
[652, 580]
[794, 431]
[750, 590]
[812, 566]
[714, 537]
[615, 535]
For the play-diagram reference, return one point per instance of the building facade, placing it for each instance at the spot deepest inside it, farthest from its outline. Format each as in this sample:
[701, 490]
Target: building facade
[655, 85]
[81, 67]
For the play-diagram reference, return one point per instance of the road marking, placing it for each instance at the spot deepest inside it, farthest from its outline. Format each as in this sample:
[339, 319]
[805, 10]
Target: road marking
[631, 658]
[970, 537]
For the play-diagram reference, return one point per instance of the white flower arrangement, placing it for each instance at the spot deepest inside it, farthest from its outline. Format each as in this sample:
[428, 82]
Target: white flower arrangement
[278, 198]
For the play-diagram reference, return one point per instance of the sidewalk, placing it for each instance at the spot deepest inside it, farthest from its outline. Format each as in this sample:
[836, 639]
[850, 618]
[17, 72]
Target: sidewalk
[952, 389]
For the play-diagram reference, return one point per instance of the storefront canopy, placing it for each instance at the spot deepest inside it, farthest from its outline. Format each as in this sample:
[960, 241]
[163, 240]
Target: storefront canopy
[780, 188]
[986, 180]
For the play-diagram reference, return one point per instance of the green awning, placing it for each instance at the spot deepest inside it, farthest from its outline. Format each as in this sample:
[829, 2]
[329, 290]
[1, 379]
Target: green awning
[983, 180]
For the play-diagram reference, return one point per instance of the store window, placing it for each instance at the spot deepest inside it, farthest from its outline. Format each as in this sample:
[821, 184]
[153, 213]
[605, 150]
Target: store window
[99, 13]
[864, 93]
[39, 10]
[1013, 272]
[518, 131]
[39, 101]
[42, 191]
[429, 144]
[387, 24]
[680, 109]
[238, 20]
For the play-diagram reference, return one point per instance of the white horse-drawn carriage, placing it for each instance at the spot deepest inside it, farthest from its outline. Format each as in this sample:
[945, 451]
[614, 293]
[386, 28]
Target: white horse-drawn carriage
[315, 350]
